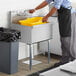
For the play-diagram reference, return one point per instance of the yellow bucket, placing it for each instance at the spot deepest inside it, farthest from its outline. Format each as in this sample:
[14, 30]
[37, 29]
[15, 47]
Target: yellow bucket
[32, 21]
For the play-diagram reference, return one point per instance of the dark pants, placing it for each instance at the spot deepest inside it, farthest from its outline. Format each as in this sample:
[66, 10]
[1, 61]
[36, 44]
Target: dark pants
[65, 45]
[64, 18]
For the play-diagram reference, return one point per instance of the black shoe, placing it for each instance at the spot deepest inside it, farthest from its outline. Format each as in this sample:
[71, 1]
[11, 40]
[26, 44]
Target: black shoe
[60, 63]
[57, 64]
[34, 74]
[72, 58]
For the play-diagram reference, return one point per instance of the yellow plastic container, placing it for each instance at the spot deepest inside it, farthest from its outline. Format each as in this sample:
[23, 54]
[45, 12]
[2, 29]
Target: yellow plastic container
[32, 21]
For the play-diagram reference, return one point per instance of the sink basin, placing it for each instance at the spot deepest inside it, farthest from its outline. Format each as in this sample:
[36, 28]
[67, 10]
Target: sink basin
[34, 34]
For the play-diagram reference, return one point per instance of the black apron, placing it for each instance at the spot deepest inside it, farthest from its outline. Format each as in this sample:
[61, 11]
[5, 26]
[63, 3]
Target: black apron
[64, 18]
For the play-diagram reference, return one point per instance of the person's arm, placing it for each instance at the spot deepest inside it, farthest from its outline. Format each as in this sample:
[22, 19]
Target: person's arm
[52, 11]
[57, 5]
[43, 4]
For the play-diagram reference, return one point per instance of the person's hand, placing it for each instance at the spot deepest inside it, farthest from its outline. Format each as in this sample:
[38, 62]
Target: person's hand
[32, 11]
[45, 18]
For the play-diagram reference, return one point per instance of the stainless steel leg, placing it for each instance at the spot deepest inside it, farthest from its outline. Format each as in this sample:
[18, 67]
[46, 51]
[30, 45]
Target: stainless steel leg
[48, 52]
[30, 49]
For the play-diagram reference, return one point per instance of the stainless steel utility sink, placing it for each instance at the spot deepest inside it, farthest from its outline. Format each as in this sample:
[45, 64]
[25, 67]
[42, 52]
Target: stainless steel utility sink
[33, 34]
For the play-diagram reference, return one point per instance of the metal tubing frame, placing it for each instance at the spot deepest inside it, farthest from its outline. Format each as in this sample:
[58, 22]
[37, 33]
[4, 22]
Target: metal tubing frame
[49, 57]
[30, 49]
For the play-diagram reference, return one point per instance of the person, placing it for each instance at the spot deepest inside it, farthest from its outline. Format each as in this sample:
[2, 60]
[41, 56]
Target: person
[63, 7]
